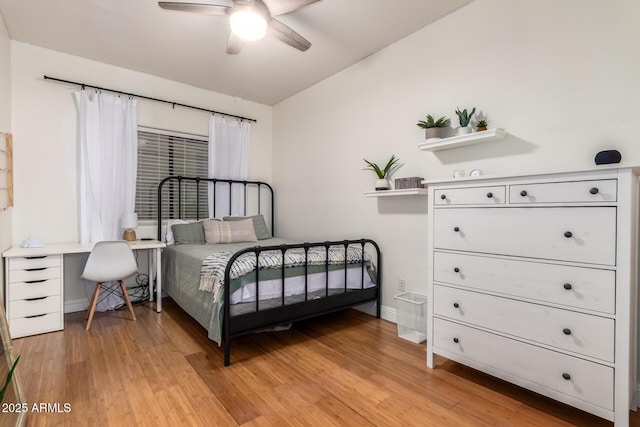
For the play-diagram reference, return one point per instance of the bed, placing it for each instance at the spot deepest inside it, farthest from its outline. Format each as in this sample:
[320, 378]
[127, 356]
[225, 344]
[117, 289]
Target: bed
[237, 288]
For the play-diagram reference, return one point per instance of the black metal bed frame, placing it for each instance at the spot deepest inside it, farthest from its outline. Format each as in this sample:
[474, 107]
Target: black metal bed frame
[237, 325]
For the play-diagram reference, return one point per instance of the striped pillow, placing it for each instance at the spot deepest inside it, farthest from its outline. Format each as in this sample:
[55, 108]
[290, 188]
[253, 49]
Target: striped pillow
[216, 231]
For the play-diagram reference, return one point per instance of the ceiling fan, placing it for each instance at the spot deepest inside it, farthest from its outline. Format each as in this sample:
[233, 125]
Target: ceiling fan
[250, 20]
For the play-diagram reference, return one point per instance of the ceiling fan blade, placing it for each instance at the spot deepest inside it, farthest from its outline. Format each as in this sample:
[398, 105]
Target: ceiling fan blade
[209, 9]
[285, 34]
[235, 43]
[280, 7]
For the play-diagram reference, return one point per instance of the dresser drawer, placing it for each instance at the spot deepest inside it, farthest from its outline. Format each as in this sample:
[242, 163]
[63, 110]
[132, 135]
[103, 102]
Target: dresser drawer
[35, 289]
[34, 307]
[23, 263]
[35, 325]
[575, 287]
[579, 234]
[565, 192]
[35, 274]
[539, 368]
[471, 196]
[586, 334]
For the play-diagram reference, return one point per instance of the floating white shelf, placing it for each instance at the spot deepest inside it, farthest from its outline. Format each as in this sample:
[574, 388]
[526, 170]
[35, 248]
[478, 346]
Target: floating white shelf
[403, 192]
[463, 140]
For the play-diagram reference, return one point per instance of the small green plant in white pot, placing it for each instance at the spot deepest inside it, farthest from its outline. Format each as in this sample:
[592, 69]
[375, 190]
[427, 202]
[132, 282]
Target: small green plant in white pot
[383, 174]
[434, 128]
[464, 119]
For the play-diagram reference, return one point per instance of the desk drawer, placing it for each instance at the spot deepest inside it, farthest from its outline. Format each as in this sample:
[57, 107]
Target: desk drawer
[495, 195]
[25, 326]
[540, 368]
[580, 234]
[568, 330]
[35, 289]
[35, 274]
[24, 263]
[575, 287]
[34, 307]
[565, 192]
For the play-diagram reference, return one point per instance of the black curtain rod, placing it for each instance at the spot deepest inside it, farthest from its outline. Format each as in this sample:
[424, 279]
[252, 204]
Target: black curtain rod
[84, 85]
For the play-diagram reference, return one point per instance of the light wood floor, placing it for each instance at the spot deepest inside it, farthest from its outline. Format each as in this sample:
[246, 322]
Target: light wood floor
[345, 369]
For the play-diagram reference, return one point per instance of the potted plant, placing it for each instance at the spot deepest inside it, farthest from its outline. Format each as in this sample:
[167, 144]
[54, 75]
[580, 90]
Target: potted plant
[8, 380]
[482, 125]
[382, 183]
[464, 119]
[433, 128]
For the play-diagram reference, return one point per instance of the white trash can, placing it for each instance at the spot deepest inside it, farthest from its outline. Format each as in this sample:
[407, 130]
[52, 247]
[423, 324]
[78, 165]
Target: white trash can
[411, 311]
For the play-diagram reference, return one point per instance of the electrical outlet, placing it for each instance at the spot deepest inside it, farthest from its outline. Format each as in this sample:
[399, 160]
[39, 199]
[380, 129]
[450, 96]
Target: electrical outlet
[402, 285]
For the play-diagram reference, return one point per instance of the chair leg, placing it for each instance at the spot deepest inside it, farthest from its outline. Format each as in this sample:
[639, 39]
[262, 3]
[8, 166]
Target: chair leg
[94, 302]
[126, 298]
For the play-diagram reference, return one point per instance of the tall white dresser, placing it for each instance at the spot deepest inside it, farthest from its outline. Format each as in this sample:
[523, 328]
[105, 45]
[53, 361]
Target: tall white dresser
[532, 279]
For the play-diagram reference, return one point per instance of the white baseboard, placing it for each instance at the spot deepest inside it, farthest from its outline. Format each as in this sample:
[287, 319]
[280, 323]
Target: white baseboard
[75, 305]
[388, 313]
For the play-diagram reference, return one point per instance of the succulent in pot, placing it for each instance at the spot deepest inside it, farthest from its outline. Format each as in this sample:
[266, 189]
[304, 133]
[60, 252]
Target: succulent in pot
[482, 125]
[434, 128]
[464, 118]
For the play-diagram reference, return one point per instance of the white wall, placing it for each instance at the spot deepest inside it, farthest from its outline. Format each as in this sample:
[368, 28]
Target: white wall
[562, 78]
[5, 126]
[45, 147]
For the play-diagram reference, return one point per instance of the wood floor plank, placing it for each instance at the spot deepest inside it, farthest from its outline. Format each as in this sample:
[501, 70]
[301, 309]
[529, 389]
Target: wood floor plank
[347, 368]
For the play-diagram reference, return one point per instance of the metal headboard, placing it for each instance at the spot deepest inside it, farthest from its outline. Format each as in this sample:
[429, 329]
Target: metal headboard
[231, 184]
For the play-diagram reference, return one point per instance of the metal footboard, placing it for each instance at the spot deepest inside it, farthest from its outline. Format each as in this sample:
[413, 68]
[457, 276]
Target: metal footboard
[258, 319]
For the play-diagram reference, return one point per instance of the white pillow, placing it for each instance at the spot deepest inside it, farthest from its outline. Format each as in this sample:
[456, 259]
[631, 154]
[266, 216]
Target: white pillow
[169, 236]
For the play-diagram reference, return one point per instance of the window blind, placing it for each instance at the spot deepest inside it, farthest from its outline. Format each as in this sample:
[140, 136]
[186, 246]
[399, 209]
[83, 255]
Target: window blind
[161, 154]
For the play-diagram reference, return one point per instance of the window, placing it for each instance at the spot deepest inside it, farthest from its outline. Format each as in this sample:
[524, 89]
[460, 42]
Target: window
[164, 153]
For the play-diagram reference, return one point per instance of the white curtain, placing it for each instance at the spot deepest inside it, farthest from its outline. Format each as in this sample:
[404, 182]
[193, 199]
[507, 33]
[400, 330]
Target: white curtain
[228, 159]
[107, 133]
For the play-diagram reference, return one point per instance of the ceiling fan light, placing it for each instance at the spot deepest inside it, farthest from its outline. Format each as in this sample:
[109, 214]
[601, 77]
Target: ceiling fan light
[248, 25]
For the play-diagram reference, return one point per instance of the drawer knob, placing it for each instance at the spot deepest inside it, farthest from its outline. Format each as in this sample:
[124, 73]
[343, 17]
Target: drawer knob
[456, 269]
[566, 376]
[523, 193]
[456, 229]
[568, 234]
[594, 190]
[443, 197]
[456, 305]
[489, 195]
[566, 331]
[567, 286]
[456, 340]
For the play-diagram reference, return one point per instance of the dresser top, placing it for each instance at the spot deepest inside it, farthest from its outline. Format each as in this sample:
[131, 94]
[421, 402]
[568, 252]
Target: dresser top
[610, 169]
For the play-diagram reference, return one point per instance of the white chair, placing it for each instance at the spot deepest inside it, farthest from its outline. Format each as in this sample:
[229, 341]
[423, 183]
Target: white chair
[109, 261]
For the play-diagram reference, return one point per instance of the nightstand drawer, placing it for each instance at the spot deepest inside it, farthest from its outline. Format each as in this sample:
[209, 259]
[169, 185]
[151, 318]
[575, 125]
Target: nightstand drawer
[25, 326]
[565, 192]
[579, 234]
[24, 263]
[35, 289]
[34, 307]
[34, 274]
[517, 361]
[581, 333]
[494, 195]
[574, 287]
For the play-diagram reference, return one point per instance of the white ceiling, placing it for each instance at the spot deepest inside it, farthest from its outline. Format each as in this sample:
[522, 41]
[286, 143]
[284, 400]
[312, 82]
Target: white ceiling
[190, 48]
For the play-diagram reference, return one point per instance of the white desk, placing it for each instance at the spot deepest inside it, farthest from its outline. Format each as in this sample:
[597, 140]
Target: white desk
[34, 284]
